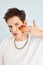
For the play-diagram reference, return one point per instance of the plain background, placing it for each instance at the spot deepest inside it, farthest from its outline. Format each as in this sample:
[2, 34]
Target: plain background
[33, 9]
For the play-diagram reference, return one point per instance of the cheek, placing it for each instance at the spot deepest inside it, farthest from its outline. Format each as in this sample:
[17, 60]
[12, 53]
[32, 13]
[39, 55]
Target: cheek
[21, 28]
[19, 35]
[19, 31]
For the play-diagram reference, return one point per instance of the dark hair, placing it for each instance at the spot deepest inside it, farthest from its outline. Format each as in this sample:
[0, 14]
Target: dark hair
[15, 12]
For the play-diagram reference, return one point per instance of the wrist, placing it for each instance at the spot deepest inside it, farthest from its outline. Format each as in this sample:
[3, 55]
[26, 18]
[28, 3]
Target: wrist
[40, 33]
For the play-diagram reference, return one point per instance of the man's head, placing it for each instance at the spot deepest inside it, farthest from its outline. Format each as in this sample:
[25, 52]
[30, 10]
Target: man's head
[15, 18]
[15, 12]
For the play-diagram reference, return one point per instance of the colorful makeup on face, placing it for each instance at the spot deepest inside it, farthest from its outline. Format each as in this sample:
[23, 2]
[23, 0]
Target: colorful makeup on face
[22, 28]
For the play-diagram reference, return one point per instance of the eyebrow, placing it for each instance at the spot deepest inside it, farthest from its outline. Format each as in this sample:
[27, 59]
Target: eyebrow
[9, 26]
[16, 23]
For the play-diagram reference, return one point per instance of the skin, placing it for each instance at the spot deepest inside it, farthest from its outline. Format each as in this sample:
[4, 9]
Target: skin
[34, 30]
[39, 32]
[13, 24]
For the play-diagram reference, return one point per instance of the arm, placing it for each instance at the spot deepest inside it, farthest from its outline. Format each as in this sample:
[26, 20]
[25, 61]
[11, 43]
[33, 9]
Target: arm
[41, 33]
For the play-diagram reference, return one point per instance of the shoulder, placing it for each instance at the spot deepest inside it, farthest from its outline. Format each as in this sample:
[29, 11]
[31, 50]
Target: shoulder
[36, 39]
[2, 45]
[5, 42]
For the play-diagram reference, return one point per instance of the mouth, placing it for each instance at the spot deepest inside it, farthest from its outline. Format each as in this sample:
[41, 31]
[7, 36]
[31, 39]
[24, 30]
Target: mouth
[15, 34]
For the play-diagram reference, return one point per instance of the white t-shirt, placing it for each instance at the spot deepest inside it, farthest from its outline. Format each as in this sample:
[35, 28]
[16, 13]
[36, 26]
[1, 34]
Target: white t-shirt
[31, 54]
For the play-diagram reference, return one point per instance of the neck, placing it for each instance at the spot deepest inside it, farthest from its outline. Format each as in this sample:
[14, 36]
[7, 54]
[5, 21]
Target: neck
[23, 37]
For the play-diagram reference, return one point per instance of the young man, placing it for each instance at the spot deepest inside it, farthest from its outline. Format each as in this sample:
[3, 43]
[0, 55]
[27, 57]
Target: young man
[21, 48]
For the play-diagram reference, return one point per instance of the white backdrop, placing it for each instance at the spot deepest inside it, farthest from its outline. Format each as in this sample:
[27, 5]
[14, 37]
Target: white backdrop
[33, 9]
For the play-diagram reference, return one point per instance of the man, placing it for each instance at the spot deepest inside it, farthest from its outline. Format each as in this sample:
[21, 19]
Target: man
[21, 48]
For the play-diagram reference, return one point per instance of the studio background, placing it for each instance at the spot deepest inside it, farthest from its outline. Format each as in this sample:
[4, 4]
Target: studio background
[33, 9]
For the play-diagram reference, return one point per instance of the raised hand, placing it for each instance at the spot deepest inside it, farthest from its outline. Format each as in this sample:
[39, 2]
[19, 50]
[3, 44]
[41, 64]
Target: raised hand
[33, 30]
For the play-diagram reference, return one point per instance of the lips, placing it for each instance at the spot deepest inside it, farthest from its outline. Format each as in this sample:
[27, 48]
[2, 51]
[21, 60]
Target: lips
[15, 34]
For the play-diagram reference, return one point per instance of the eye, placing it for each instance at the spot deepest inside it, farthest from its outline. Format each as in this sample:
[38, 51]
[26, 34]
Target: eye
[16, 24]
[9, 30]
[10, 27]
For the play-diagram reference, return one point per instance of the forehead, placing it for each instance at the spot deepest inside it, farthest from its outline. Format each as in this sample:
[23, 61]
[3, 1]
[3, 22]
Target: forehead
[14, 20]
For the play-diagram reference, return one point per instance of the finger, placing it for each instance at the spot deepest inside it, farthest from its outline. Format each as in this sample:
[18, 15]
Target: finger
[34, 23]
[28, 28]
[25, 22]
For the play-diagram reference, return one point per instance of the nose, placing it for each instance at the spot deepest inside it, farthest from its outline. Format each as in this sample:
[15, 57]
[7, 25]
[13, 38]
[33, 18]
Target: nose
[14, 29]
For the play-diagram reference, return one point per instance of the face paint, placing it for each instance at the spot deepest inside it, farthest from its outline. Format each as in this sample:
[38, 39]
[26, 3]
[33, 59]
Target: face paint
[22, 28]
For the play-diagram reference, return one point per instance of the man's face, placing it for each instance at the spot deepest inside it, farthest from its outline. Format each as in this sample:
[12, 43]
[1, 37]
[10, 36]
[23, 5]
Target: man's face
[13, 24]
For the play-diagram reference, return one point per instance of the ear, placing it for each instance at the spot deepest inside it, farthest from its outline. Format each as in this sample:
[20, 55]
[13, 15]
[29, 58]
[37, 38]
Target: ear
[25, 22]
